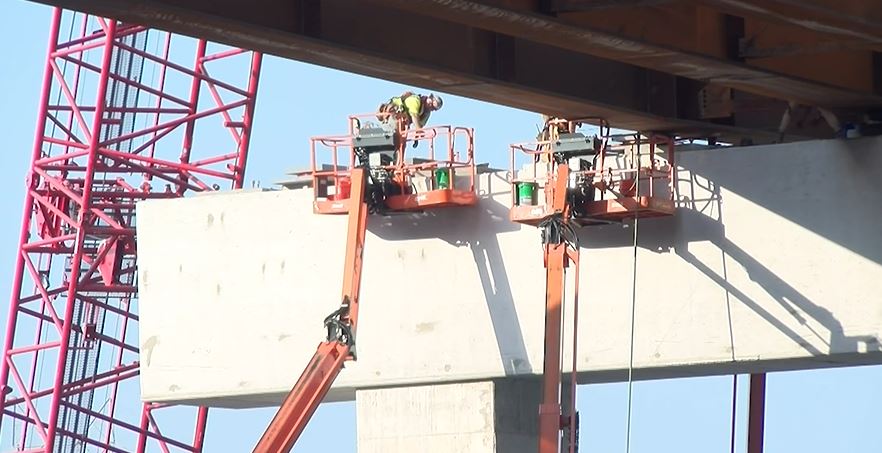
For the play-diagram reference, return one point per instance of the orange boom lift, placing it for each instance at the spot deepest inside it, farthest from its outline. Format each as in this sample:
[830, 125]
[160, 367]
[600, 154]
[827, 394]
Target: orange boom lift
[375, 179]
[584, 180]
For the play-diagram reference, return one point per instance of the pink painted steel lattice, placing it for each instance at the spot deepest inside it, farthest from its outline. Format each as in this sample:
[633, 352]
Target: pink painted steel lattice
[119, 122]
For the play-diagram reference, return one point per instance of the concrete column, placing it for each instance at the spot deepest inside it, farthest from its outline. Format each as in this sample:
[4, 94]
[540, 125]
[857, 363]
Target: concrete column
[477, 417]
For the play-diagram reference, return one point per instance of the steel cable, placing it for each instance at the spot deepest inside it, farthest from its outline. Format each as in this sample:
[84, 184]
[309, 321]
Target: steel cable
[633, 302]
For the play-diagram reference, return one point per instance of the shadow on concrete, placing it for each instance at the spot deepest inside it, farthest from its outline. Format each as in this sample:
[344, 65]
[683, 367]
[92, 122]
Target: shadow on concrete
[699, 218]
[796, 182]
[454, 225]
[806, 174]
[474, 227]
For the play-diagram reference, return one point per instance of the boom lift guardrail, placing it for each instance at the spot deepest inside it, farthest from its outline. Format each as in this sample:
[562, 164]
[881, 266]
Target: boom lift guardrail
[586, 180]
[376, 180]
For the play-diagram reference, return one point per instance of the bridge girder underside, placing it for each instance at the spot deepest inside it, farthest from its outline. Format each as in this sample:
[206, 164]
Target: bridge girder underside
[725, 69]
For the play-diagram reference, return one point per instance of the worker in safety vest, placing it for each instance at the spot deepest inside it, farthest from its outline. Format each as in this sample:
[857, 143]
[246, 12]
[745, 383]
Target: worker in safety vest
[552, 127]
[415, 109]
[560, 126]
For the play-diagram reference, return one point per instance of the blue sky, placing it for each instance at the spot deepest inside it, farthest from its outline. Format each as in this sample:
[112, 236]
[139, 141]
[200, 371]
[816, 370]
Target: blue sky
[818, 411]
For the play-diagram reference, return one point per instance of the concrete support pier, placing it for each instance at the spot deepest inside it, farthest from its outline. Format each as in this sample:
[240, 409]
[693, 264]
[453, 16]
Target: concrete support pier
[476, 417]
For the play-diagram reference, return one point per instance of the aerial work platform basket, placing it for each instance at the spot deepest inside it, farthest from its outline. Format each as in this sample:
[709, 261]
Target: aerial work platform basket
[408, 169]
[611, 179]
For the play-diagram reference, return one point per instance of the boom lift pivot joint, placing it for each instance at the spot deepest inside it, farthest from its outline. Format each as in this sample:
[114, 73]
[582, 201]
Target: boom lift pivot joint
[339, 329]
[555, 231]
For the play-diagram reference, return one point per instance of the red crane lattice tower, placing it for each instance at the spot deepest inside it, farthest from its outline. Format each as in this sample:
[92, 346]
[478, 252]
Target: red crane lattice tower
[117, 124]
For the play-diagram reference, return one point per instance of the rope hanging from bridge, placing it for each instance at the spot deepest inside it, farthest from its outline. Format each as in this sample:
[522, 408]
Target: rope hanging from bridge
[633, 302]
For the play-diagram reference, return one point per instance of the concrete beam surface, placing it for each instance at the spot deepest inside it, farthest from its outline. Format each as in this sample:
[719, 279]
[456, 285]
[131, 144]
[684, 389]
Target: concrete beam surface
[773, 261]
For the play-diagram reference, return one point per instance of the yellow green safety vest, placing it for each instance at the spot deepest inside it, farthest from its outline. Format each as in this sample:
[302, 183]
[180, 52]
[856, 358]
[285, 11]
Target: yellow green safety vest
[413, 106]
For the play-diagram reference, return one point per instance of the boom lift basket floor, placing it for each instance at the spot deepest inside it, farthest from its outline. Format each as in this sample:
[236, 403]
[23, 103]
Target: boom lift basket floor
[432, 199]
[601, 212]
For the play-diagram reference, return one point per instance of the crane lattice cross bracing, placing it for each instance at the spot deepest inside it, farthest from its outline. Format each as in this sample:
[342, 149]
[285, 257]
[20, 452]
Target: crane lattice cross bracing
[117, 124]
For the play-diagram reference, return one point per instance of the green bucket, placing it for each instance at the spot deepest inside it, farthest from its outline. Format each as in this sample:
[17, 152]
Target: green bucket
[442, 178]
[526, 193]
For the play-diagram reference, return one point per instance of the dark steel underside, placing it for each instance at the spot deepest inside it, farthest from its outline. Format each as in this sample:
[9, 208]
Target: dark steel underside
[694, 68]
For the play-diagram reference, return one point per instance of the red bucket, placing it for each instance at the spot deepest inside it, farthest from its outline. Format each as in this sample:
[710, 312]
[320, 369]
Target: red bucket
[628, 187]
[344, 188]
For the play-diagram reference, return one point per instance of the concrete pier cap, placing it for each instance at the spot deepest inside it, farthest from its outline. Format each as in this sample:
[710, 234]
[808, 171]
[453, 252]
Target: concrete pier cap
[773, 261]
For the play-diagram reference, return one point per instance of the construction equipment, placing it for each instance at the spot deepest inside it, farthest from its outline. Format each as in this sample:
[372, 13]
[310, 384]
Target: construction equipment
[442, 175]
[585, 180]
[603, 175]
[116, 125]
[378, 179]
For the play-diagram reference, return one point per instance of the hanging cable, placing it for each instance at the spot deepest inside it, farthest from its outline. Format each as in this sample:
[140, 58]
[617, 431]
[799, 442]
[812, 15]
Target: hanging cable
[574, 414]
[734, 406]
[633, 301]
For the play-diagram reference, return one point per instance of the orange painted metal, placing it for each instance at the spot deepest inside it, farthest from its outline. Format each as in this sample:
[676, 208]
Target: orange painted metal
[633, 195]
[557, 258]
[304, 398]
[350, 183]
[354, 249]
[622, 208]
[330, 207]
[327, 362]
[549, 411]
[557, 192]
[627, 204]
[432, 199]
[443, 148]
[528, 215]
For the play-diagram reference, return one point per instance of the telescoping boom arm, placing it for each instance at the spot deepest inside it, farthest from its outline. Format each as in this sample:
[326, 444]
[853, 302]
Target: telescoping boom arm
[561, 249]
[328, 360]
